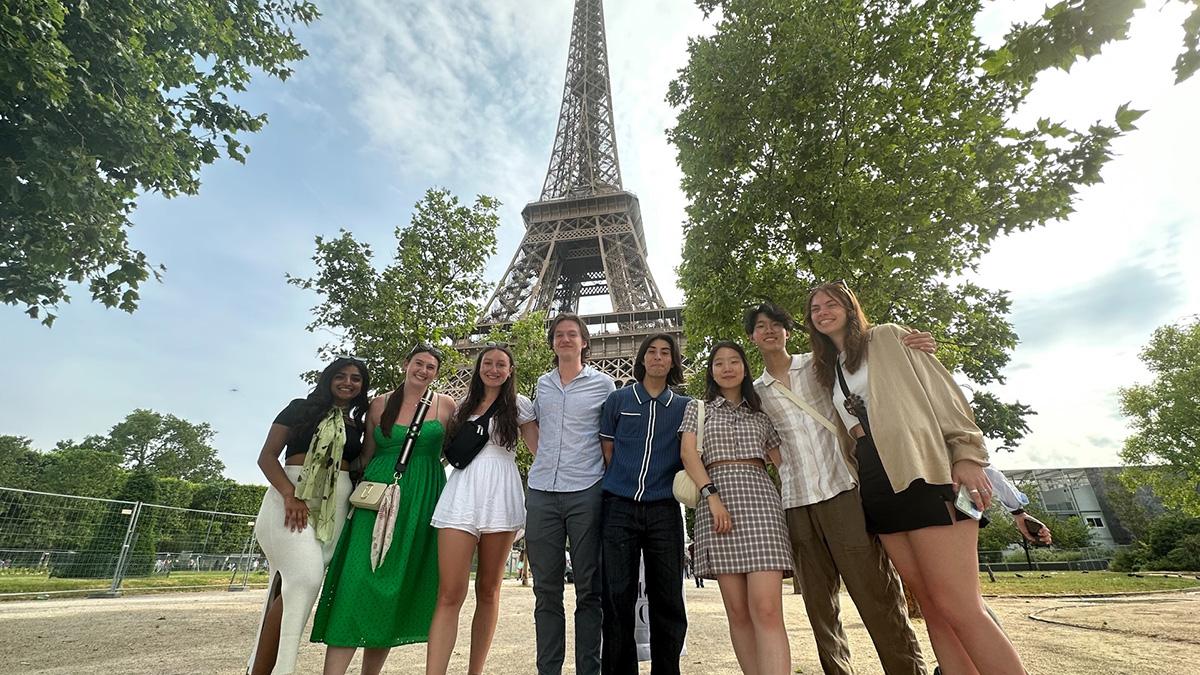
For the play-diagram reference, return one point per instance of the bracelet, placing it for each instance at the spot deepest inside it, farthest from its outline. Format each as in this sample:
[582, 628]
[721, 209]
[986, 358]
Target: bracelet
[1018, 512]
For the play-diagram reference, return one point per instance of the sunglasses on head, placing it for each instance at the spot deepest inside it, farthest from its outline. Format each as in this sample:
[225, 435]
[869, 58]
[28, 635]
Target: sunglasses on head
[426, 347]
[501, 345]
[349, 357]
[839, 282]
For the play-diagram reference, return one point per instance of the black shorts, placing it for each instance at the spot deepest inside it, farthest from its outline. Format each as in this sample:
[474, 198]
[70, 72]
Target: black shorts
[917, 506]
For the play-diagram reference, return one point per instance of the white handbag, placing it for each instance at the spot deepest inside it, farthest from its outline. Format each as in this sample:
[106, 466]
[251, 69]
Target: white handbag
[683, 487]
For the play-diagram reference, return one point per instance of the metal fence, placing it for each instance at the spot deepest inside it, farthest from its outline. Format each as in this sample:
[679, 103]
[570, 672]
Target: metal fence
[1053, 559]
[53, 544]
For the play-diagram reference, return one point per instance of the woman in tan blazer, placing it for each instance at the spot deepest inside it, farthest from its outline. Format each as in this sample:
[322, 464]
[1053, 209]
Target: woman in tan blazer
[918, 451]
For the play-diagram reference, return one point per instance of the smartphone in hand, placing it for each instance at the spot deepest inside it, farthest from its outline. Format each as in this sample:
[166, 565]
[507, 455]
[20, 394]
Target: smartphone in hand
[965, 504]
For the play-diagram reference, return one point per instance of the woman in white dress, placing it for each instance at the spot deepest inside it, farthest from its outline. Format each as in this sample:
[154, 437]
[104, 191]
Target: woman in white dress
[482, 506]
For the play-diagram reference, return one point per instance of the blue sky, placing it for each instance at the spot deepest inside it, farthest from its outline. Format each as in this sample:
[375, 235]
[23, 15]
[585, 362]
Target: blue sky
[396, 97]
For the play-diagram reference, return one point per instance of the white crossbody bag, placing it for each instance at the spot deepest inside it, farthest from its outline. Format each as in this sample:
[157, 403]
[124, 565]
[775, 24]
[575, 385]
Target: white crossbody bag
[683, 487]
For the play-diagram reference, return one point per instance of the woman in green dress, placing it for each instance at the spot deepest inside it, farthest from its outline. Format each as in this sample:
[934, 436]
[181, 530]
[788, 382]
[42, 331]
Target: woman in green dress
[393, 604]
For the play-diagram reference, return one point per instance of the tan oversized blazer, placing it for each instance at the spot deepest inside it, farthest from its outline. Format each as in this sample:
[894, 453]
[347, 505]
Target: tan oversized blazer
[920, 420]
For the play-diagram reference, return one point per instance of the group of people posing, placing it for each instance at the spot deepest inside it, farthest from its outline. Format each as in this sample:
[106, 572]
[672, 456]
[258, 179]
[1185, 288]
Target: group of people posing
[873, 442]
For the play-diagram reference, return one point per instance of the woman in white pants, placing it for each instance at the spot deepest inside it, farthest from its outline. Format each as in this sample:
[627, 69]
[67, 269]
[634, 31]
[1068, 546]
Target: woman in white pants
[305, 507]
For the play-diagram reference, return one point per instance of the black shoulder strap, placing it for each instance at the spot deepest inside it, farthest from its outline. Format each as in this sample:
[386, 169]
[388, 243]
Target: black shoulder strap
[837, 365]
[483, 419]
[414, 431]
[853, 402]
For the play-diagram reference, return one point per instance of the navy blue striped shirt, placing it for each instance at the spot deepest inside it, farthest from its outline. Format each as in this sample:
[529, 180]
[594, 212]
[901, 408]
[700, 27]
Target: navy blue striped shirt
[645, 435]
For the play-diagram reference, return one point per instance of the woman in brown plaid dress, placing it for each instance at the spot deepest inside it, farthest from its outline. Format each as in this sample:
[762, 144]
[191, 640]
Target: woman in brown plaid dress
[741, 538]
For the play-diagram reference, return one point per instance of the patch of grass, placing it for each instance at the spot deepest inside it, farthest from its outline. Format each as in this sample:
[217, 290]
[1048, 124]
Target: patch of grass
[1079, 583]
[41, 583]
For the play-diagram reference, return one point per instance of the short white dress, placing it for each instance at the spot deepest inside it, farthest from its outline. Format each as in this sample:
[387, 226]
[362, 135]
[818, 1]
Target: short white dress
[487, 495]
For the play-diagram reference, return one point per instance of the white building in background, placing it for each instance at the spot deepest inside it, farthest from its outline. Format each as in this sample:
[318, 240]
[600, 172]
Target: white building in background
[1076, 492]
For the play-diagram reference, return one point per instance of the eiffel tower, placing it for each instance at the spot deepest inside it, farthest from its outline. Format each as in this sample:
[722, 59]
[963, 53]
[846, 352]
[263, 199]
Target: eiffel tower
[584, 236]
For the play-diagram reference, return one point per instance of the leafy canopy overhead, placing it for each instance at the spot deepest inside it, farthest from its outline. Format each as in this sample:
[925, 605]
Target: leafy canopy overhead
[1073, 29]
[866, 141]
[103, 100]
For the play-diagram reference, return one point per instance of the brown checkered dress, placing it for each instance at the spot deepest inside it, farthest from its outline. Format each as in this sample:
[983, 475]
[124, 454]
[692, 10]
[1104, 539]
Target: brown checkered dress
[759, 539]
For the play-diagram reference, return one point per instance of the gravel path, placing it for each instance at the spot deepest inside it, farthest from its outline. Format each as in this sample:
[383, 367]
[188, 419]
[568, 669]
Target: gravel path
[210, 633]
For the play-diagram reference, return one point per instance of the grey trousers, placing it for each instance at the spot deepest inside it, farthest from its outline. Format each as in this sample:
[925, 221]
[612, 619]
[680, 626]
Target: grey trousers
[552, 519]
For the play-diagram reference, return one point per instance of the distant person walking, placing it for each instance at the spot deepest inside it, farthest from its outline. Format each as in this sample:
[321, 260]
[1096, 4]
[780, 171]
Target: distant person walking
[304, 508]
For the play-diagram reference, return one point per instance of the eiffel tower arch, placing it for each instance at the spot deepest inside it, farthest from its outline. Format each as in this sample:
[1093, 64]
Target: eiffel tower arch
[584, 235]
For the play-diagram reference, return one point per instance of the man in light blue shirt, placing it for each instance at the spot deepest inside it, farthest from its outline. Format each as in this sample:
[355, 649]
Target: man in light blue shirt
[564, 499]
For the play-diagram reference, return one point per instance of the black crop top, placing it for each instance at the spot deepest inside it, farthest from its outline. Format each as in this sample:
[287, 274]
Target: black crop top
[294, 414]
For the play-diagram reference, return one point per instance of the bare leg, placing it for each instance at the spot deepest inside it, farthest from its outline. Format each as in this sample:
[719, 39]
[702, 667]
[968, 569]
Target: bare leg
[763, 590]
[337, 660]
[268, 638]
[373, 660]
[493, 554]
[949, 554]
[949, 651]
[455, 549]
[741, 627]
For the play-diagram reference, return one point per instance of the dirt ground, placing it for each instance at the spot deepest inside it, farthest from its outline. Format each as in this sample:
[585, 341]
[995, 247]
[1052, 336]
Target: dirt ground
[211, 633]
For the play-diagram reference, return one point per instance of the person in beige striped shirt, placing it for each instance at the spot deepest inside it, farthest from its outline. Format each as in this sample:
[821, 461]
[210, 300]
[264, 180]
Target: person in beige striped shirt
[824, 513]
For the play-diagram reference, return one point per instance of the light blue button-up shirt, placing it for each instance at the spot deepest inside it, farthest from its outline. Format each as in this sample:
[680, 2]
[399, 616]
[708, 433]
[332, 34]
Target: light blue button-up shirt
[569, 458]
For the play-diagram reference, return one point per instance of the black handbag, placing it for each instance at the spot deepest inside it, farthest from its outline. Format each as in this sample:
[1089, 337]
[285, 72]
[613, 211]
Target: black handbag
[854, 403]
[470, 439]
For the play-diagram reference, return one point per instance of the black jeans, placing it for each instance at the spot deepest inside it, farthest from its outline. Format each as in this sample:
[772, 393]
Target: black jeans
[652, 531]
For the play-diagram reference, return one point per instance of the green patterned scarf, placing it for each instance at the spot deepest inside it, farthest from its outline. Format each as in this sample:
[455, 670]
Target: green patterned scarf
[322, 465]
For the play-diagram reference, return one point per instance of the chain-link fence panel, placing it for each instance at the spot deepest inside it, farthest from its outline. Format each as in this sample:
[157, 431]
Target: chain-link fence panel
[54, 544]
[187, 543]
[60, 543]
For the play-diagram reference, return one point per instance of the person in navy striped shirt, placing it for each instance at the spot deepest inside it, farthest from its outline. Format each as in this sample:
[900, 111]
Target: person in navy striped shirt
[639, 434]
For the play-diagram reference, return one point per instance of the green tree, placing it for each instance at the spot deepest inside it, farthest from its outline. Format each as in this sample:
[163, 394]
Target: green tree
[430, 292]
[1165, 416]
[228, 496]
[224, 534]
[166, 446]
[83, 469]
[101, 101]
[1073, 29]
[20, 464]
[1129, 505]
[865, 141]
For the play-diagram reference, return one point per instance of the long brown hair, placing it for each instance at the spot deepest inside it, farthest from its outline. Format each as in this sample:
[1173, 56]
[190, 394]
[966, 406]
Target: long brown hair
[825, 353]
[504, 427]
[391, 411]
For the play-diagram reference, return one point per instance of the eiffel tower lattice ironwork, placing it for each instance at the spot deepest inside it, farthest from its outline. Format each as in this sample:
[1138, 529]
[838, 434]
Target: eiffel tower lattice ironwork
[584, 236]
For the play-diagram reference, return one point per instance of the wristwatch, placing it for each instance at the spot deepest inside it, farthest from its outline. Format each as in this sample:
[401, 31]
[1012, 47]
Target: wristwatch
[708, 490]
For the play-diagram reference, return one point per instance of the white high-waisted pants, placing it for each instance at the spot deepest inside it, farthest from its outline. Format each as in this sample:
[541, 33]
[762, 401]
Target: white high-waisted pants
[298, 561]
